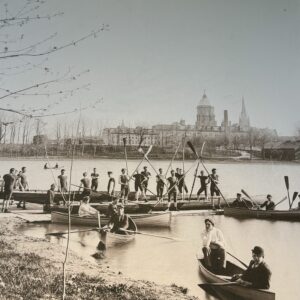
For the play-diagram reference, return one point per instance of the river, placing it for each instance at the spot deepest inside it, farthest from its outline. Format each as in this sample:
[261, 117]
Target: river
[168, 262]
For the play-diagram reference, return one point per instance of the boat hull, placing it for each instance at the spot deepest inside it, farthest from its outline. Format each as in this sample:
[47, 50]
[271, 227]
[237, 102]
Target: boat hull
[142, 220]
[233, 291]
[287, 215]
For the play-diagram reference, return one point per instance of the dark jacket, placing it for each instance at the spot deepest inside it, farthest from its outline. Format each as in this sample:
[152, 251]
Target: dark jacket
[119, 222]
[259, 276]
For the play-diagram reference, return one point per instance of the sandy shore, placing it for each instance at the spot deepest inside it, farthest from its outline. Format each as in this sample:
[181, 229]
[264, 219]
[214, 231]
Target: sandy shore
[31, 268]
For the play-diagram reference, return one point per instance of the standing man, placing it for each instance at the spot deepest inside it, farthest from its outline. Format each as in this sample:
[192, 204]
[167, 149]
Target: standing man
[124, 182]
[146, 175]
[62, 181]
[138, 178]
[23, 184]
[173, 189]
[95, 177]
[214, 190]
[9, 183]
[204, 181]
[181, 183]
[86, 184]
[160, 183]
[111, 184]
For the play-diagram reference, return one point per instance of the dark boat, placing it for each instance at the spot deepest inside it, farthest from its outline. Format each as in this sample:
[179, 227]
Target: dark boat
[222, 285]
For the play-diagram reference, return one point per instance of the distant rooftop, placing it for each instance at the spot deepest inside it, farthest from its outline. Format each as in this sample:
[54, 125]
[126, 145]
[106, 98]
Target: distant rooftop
[204, 101]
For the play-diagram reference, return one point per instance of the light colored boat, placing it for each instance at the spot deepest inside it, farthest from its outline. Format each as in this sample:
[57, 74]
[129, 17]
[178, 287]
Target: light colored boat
[160, 219]
[288, 215]
[219, 284]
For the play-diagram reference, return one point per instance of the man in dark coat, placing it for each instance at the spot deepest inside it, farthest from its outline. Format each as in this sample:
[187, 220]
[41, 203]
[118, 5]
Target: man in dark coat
[240, 202]
[268, 204]
[119, 221]
[258, 273]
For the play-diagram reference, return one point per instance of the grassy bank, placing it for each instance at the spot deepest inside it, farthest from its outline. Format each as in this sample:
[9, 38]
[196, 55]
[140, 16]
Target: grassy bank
[31, 268]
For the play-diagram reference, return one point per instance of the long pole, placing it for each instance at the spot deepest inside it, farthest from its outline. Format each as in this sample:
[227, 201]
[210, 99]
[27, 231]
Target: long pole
[125, 151]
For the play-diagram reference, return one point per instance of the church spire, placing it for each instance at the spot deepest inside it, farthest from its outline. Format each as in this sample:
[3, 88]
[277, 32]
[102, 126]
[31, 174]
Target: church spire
[244, 121]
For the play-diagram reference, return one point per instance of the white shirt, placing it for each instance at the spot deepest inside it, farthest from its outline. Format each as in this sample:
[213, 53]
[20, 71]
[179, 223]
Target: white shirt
[214, 235]
[86, 210]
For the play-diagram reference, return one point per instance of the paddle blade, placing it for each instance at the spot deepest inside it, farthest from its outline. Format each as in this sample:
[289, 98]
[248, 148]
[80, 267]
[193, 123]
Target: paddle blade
[286, 180]
[202, 148]
[245, 193]
[149, 150]
[192, 147]
[295, 195]
[124, 141]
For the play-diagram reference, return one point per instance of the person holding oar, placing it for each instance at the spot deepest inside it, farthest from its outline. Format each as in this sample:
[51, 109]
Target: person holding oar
[118, 221]
[111, 184]
[124, 182]
[172, 190]
[138, 179]
[213, 247]
[258, 274]
[160, 184]
[268, 204]
[204, 181]
[146, 176]
[85, 183]
[85, 210]
[240, 202]
[9, 183]
[214, 190]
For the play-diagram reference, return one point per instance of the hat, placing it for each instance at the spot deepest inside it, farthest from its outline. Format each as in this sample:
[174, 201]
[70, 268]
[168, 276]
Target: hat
[238, 194]
[120, 205]
[122, 170]
[145, 167]
[160, 169]
[214, 169]
[210, 221]
[269, 196]
[259, 251]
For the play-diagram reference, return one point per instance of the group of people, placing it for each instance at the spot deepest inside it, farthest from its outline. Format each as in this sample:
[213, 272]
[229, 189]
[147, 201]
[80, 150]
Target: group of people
[257, 275]
[14, 180]
[244, 203]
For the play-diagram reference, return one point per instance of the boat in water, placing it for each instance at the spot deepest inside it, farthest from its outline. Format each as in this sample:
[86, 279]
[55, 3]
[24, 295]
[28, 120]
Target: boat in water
[222, 285]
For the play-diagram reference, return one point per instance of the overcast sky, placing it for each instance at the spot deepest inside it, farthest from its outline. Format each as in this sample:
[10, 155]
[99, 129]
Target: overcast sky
[158, 56]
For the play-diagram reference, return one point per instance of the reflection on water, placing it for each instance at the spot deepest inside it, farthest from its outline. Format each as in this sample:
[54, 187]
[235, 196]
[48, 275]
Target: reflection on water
[167, 262]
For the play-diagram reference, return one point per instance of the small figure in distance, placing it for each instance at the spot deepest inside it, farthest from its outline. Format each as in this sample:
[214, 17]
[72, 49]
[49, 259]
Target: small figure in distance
[172, 189]
[9, 183]
[85, 210]
[160, 184]
[50, 200]
[146, 175]
[56, 166]
[138, 178]
[214, 180]
[46, 166]
[213, 247]
[124, 182]
[62, 181]
[111, 184]
[23, 184]
[258, 274]
[241, 203]
[268, 204]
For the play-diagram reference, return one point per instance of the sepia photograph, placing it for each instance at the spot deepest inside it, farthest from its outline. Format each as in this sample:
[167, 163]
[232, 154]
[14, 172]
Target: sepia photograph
[149, 149]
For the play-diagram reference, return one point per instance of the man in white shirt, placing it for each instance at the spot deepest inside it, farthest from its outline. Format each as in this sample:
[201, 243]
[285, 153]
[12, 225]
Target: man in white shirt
[85, 210]
[213, 247]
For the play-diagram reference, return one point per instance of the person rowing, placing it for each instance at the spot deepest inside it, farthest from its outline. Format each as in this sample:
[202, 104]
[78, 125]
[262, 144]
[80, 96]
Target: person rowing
[112, 208]
[241, 203]
[268, 204]
[85, 209]
[118, 221]
[213, 247]
[85, 183]
[258, 273]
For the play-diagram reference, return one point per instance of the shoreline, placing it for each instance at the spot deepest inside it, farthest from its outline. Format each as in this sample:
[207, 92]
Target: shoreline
[31, 268]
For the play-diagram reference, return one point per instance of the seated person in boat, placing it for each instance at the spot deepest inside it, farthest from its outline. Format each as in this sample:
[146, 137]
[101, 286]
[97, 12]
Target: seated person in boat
[50, 200]
[268, 204]
[119, 221]
[112, 208]
[258, 274]
[85, 210]
[240, 202]
[213, 247]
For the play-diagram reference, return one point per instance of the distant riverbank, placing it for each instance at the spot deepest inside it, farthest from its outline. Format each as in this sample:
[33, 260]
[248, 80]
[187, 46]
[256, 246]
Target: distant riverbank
[31, 268]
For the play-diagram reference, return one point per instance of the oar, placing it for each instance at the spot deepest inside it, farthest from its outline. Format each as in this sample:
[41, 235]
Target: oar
[245, 265]
[154, 235]
[196, 171]
[74, 231]
[217, 284]
[124, 142]
[246, 194]
[287, 185]
[200, 159]
[283, 199]
[294, 198]
[170, 164]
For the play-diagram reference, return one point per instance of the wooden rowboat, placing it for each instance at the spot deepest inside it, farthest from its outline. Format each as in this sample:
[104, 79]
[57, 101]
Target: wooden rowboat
[162, 219]
[233, 292]
[288, 215]
[110, 239]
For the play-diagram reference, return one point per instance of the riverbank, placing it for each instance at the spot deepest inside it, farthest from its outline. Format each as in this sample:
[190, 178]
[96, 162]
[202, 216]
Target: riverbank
[31, 268]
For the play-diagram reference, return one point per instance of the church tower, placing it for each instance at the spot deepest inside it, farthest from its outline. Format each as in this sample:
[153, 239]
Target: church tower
[205, 114]
[244, 121]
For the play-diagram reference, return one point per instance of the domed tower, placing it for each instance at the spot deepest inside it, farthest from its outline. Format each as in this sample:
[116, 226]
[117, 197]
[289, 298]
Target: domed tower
[205, 113]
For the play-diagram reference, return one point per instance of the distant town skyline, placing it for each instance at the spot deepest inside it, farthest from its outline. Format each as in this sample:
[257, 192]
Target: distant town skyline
[158, 57]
